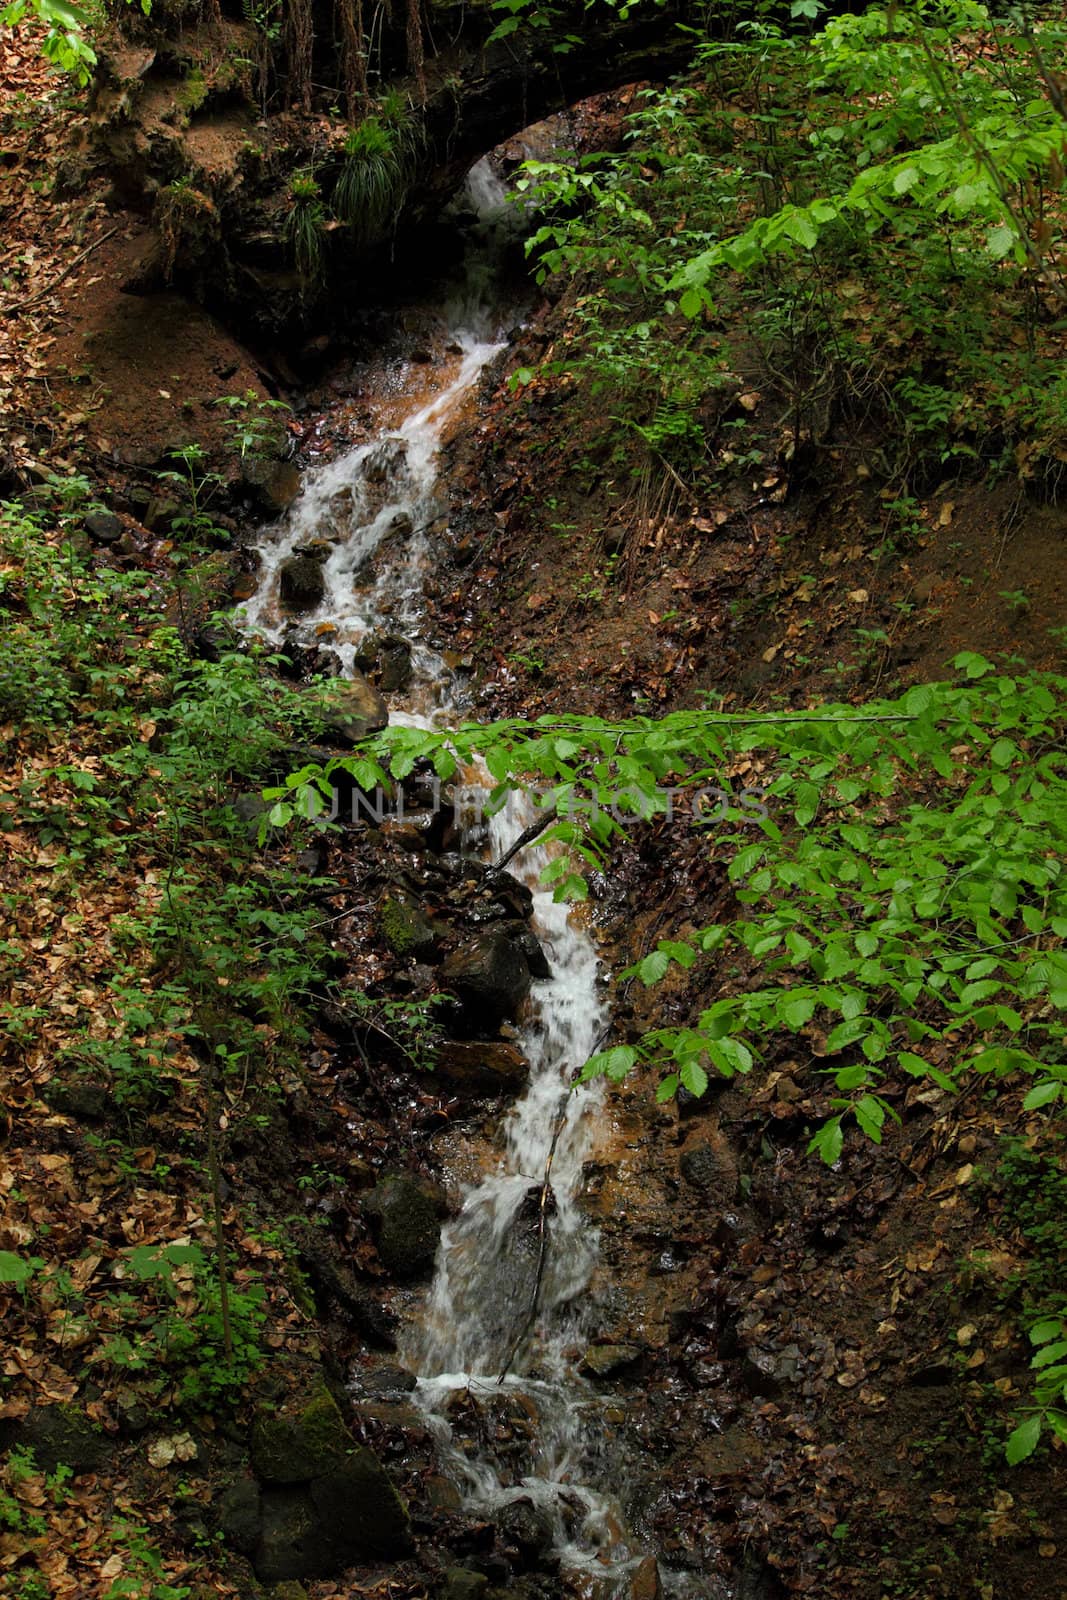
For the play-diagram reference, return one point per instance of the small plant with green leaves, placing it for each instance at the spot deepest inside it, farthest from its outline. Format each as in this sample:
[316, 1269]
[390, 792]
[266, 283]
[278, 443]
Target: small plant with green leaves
[254, 425]
[305, 228]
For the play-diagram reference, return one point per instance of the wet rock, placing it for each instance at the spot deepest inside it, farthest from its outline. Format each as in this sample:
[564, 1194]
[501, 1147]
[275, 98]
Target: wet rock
[699, 1167]
[353, 711]
[285, 1546]
[460, 1583]
[645, 1581]
[384, 459]
[273, 484]
[490, 977]
[525, 1528]
[394, 668]
[388, 1381]
[348, 1513]
[442, 1494]
[406, 1226]
[530, 945]
[301, 1445]
[481, 1066]
[302, 583]
[603, 1360]
[337, 1291]
[58, 1436]
[406, 930]
[401, 524]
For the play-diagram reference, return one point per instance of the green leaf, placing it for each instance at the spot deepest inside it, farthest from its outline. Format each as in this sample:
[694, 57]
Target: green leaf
[16, 1269]
[1043, 1094]
[827, 1143]
[1051, 1353]
[1000, 242]
[745, 860]
[796, 1010]
[694, 1078]
[1022, 1442]
[1048, 1328]
[870, 1114]
[653, 967]
[614, 1064]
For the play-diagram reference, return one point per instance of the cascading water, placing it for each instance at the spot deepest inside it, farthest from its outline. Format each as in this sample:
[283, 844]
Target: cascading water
[504, 1311]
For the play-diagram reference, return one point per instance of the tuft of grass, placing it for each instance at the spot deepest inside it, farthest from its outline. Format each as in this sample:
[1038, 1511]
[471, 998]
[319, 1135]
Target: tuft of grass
[380, 156]
[304, 227]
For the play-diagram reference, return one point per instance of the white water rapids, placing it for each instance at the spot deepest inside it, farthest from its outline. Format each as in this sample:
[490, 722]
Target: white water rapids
[370, 516]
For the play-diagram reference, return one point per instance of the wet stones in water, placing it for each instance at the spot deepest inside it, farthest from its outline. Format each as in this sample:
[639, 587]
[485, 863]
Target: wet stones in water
[526, 1530]
[401, 524]
[302, 583]
[384, 460]
[406, 1227]
[387, 657]
[645, 1581]
[354, 710]
[490, 977]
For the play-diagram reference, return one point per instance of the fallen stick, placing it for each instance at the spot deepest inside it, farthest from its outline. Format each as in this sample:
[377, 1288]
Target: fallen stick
[26, 305]
[527, 836]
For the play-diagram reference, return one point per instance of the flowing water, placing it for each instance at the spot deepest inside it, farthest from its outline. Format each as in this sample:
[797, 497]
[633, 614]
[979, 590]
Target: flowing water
[503, 1323]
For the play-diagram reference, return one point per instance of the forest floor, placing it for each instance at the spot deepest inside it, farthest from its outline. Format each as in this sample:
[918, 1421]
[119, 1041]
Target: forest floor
[828, 1360]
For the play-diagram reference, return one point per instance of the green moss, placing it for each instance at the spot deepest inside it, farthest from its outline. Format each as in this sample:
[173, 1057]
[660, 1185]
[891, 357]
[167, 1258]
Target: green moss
[302, 1445]
[405, 930]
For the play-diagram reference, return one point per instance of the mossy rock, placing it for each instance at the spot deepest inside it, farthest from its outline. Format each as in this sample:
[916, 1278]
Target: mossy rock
[406, 930]
[297, 1446]
[59, 1436]
[406, 1227]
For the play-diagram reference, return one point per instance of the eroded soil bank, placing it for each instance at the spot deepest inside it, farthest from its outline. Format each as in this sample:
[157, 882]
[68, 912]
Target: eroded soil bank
[806, 1373]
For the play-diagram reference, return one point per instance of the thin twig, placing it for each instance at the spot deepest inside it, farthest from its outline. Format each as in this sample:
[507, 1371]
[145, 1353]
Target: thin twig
[25, 305]
[525, 838]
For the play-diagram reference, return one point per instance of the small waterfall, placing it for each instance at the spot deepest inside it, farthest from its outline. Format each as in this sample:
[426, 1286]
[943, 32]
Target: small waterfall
[520, 1238]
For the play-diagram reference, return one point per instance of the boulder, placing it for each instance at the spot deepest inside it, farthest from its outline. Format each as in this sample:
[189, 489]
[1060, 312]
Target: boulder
[297, 1446]
[325, 1503]
[490, 976]
[481, 1066]
[59, 1436]
[103, 526]
[301, 583]
[237, 1513]
[274, 485]
[353, 711]
[388, 655]
[406, 1226]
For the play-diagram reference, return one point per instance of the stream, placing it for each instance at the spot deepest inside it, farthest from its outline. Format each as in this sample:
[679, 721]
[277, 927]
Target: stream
[370, 518]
